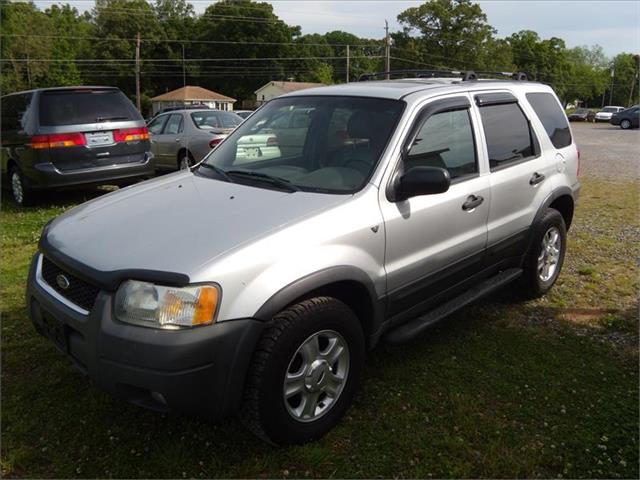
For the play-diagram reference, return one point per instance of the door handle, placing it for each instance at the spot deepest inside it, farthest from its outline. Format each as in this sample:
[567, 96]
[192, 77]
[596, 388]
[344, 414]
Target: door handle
[472, 202]
[536, 178]
[177, 139]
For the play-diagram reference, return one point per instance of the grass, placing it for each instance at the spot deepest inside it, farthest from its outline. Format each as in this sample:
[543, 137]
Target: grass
[547, 388]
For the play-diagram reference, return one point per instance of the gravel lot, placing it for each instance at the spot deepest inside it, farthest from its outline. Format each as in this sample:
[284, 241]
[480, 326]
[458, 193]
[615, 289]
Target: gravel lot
[607, 151]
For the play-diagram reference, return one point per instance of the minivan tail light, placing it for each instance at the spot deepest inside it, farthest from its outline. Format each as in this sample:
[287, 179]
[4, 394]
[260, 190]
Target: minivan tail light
[131, 134]
[58, 140]
[215, 142]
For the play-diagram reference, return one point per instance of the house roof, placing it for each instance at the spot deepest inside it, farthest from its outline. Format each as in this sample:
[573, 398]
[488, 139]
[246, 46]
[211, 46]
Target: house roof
[291, 86]
[190, 93]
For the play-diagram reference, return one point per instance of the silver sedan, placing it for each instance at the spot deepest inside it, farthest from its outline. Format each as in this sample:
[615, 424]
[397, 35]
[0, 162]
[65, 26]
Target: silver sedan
[183, 137]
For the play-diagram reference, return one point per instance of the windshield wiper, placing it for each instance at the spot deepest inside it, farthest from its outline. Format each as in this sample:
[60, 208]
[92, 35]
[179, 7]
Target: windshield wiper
[218, 170]
[280, 182]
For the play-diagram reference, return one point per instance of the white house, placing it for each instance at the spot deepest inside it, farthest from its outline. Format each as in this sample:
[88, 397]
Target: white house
[275, 89]
[190, 95]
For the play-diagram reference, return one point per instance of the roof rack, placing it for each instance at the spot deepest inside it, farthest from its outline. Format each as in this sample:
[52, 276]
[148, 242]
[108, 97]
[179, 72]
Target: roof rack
[464, 76]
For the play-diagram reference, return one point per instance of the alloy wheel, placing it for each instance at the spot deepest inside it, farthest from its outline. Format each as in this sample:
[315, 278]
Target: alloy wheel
[549, 254]
[316, 376]
[16, 187]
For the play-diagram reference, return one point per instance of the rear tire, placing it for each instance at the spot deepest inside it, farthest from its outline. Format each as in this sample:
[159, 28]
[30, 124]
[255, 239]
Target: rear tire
[625, 124]
[185, 161]
[304, 372]
[544, 260]
[22, 195]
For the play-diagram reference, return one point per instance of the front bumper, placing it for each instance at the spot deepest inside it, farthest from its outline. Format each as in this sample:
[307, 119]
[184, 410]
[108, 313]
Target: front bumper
[200, 370]
[46, 175]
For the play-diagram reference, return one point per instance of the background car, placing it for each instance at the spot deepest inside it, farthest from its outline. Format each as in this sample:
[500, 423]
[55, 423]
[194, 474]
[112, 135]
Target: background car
[70, 136]
[581, 115]
[182, 138]
[605, 114]
[243, 113]
[629, 118]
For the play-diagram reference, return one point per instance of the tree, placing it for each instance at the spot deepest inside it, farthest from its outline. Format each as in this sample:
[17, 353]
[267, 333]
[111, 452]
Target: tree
[453, 33]
[625, 80]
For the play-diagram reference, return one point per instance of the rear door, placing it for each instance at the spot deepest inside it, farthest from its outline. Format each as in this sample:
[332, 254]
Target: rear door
[170, 141]
[91, 127]
[519, 176]
[155, 127]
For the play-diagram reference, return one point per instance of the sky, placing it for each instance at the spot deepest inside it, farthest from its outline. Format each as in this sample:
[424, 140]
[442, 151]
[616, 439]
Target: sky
[612, 24]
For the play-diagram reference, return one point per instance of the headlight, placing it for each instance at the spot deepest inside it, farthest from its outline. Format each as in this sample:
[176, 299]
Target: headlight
[150, 305]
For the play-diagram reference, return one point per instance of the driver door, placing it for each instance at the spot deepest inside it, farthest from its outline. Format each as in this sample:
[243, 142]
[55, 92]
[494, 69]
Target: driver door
[433, 242]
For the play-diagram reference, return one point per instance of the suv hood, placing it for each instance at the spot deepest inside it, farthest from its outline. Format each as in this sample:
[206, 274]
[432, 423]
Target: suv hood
[177, 223]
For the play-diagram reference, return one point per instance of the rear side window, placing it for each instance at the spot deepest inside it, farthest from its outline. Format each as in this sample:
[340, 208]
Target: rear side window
[76, 107]
[229, 120]
[157, 124]
[509, 136]
[14, 108]
[174, 125]
[552, 117]
[445, 140]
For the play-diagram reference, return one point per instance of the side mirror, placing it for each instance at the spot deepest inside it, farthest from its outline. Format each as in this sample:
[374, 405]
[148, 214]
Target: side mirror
[422, 181]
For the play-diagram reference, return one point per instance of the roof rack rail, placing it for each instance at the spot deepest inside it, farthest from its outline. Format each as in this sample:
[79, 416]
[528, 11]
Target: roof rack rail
[465, 76]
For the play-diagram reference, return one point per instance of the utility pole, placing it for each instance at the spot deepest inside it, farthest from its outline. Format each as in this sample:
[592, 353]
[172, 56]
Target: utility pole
[387, 49]
[613, 74]
[347, 63]
[184, 72]
[138, 72]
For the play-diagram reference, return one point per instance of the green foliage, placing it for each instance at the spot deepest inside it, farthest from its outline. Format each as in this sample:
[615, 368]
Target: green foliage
[99, 47]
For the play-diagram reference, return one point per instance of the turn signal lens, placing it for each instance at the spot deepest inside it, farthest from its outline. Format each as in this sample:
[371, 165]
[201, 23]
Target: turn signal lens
[131, 134]
[143, 303]
[58, 140]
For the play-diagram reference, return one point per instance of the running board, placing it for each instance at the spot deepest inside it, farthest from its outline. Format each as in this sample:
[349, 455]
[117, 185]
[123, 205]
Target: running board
[415, 327]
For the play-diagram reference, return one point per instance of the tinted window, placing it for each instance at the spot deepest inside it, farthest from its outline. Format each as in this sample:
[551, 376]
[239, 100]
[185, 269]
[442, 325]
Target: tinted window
[552, 117]
[445, 140]
[13, 112]
[320, 143]
[156, 125]
[509, 138]
[174, 125]
[75, 107]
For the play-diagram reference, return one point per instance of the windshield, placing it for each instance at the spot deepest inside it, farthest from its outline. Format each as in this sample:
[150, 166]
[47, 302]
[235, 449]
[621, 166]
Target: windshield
[317, 143]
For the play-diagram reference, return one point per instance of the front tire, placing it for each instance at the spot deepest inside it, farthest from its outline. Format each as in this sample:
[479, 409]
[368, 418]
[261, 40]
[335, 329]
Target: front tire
[625, 124]
[544, 260]
[304, 372]
[185, 161]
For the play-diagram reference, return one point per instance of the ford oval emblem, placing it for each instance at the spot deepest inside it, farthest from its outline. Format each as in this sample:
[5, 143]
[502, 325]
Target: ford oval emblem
[62, 281]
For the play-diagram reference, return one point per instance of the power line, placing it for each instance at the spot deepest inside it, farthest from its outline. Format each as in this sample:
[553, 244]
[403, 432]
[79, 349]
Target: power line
[131, 61]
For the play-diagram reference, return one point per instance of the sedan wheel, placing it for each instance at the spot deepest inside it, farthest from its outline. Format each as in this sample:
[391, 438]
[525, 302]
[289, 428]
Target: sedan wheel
[625, 124]
[185, 163]
[17, 188]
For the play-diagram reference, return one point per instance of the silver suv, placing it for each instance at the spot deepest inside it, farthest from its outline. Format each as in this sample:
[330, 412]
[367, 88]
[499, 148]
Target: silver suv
[257, 284]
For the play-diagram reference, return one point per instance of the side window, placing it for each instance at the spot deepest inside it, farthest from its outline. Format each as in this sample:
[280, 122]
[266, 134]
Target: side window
[229, 120]
[509, 136]
[445, 140]
[174, 125]
[14, 109]
[552, 117]
[156, 126]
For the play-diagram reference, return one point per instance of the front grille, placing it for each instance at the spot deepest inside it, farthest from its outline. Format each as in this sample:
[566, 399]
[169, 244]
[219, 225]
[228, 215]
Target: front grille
[79, 292]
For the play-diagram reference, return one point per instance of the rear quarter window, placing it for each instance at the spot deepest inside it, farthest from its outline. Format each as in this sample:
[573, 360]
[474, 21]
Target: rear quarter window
[552, 117]
[77, 107]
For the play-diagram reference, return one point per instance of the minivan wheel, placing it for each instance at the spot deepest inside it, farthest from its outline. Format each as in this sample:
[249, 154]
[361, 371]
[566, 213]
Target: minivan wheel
[21, 194]
[304, 372]
[625, 124]
[546, 254]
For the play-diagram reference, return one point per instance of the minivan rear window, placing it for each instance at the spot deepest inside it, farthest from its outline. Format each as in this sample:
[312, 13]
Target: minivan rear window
[76, 107]
[552, 117]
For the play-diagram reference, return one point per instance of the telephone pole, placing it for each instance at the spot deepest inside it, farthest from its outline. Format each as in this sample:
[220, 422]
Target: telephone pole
[613, 74]
[184, 72]
[387, 49]
[347, 63]
[138, 72]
